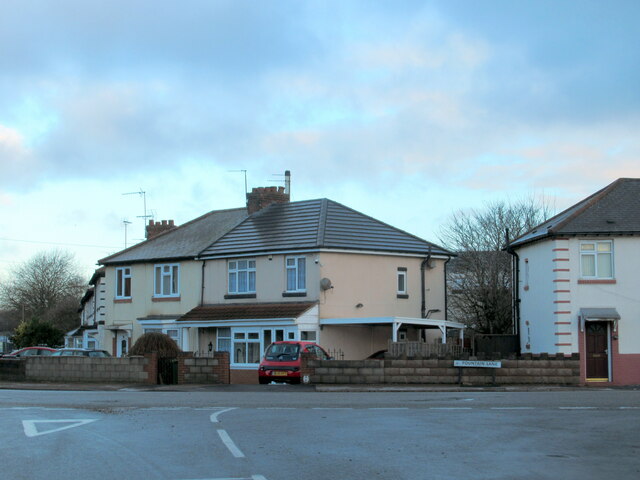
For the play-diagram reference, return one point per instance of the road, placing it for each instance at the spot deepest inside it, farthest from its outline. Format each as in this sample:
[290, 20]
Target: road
[288, 432]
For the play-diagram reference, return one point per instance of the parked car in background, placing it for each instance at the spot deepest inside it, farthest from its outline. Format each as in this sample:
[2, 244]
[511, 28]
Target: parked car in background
[80, 352]
[281, 362]
[30, 352]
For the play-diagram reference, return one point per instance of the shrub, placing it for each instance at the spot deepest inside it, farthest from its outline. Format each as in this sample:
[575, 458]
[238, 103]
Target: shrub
[158, 342]
[34, 332]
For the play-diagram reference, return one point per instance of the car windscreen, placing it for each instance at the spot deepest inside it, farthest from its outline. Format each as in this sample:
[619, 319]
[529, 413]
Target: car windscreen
[282, 352]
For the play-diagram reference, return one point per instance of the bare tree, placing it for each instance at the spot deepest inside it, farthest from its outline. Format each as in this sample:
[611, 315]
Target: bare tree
[46, 287]
[479, 280]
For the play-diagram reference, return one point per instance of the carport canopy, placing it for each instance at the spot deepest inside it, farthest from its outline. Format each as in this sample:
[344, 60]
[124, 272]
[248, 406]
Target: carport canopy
[397, 322]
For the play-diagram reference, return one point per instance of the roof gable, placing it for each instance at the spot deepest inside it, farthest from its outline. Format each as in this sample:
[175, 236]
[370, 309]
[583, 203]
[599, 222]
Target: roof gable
[314, 224]
[612, 210]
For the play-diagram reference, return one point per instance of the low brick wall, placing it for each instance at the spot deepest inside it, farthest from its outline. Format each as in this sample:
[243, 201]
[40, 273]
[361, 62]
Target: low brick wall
[203, 369]
[85, 369]
[528, 369]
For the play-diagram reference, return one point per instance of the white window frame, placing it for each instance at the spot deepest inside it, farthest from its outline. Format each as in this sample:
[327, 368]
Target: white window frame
[121, 282]
[594, 254]
[234, 271]
[157, 289]
[295, 267]
[401, 273]
[246, 332]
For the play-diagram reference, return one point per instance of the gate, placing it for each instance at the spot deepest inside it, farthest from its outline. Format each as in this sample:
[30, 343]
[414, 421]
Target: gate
[167, 371]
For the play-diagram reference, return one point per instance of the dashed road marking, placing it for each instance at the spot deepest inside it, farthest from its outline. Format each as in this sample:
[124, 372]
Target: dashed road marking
[512, 408]
[226, 439]
[578, 408]
[450, 408]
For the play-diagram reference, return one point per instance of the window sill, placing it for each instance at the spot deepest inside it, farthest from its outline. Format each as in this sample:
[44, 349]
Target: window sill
[165, 299]
[122, 300]
[402, 295]
[596, 281]
[239, 295]
[294, 294]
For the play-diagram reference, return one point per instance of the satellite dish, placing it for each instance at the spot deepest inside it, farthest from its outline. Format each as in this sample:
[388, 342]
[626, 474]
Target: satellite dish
[325, 284]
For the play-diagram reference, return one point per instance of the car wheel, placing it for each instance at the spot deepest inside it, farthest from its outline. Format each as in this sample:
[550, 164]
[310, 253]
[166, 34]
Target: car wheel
[263, 381]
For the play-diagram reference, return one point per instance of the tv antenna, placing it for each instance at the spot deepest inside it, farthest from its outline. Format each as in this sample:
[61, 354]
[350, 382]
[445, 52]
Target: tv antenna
[245, 179]
[143, 194]
[126, 223]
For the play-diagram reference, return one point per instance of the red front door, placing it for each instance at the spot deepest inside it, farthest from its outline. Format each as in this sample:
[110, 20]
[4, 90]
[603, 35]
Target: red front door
[597, 351]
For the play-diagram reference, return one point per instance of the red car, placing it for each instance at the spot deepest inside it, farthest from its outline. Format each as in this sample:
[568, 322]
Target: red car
[30, 352]
[281, 362]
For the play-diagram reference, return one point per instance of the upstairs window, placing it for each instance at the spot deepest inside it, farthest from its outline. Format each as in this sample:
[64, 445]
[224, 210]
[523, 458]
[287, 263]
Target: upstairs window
[296, 274]
[242, 276]
[596, 259]
[123, 282]
[402, 281]
[167, 280]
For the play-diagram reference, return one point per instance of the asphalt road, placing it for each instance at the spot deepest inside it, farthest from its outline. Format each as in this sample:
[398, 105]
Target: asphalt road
[286, 433]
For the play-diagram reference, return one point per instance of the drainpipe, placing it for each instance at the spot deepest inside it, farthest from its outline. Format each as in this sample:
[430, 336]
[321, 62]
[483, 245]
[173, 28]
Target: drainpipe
[446, 309]
[516, 289]
[202, 282]
[423, 267]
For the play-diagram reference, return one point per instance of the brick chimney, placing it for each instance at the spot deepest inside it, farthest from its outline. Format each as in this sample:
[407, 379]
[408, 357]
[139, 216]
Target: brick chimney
[156, 228]
[262, 197]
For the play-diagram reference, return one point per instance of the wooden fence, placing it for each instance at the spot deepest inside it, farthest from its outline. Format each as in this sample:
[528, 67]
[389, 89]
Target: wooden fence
[422, 349]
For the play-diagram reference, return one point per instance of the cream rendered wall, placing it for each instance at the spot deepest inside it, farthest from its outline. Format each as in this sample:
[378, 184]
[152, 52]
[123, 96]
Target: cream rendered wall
[356, 342]
[372, 281]
[142, 304]
[536, 290]
[624, 295]
[270, 280]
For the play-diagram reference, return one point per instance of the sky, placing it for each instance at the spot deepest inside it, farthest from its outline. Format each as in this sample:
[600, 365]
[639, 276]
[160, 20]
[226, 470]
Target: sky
[408, 111]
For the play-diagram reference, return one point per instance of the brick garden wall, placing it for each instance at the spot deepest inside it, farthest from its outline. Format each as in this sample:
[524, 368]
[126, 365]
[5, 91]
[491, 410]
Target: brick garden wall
[77, 369]
[203, 369]
[527, 369]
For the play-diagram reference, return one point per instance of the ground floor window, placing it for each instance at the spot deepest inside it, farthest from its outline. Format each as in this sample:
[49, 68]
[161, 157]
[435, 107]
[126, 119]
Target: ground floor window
[246, 346]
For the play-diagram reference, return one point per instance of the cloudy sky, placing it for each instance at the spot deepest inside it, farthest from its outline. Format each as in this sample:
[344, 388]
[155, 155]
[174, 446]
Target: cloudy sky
[406, 111]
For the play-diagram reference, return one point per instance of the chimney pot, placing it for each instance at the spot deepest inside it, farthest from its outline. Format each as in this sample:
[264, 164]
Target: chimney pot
[156, 228]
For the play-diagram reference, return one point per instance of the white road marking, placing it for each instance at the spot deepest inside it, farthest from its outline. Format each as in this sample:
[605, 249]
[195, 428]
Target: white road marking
[450, 408]
[389, 408]
[214, 416]
[577, 408]
[30, 429]
[252, 477]
[512, 408]
[628, 408]
[332, 408]
[276, 408]
[226, 439]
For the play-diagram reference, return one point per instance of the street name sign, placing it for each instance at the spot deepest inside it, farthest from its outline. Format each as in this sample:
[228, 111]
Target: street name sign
[477, 363]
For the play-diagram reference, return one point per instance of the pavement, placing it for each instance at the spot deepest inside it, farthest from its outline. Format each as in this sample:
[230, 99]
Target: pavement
[309, 388]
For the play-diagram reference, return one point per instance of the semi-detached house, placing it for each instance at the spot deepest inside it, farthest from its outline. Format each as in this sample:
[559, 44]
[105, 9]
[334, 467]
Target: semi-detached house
[237, 280]
[578, 285]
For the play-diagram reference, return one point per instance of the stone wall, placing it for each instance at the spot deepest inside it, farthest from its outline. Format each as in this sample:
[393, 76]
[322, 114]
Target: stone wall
[85, 369]
[527, 369]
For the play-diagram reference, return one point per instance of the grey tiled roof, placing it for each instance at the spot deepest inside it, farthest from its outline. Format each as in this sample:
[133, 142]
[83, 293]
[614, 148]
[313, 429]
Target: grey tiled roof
[614, 210]
[314, 224]
[184, 241]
